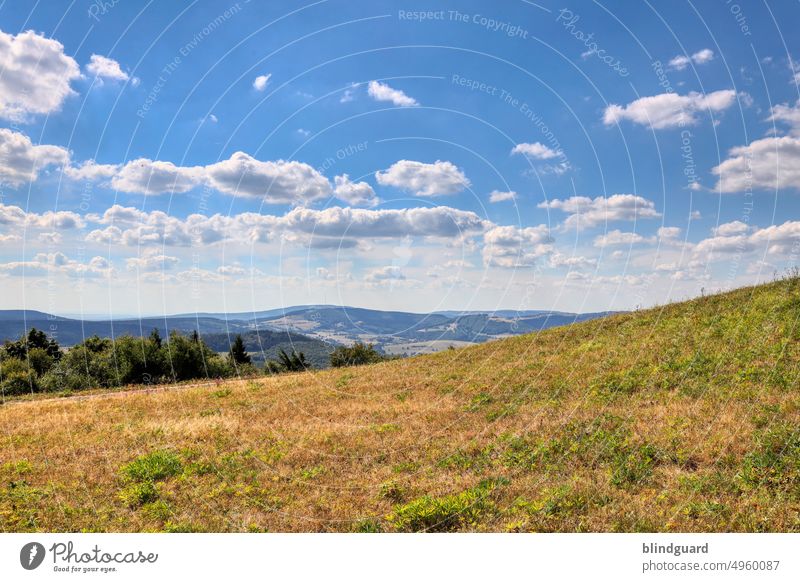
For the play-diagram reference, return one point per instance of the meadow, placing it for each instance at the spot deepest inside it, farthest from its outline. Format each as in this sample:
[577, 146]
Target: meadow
[678, 418]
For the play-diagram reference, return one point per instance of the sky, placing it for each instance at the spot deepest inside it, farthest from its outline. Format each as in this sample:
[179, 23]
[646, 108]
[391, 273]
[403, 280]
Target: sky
[165, 157]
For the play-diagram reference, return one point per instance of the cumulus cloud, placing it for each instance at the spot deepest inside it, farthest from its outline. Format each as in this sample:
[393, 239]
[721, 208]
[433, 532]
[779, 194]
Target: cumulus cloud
[105, 68]
[383, 92]
[151, 262]
[512, 247]
[669, 109]
[771, 163]
[436, 179]
[588, 212]
[739, 238]
[790, 115]
[36, 75]
[329, 228]
[390, 273]
[144, 176]
[535, 150]
[58, 264]
[260, 82]
[701, 57]
[619, 238]
[51, 220]
[278, 182]
[91, 170]
[21, 161]
[354, 193]
[497, 196]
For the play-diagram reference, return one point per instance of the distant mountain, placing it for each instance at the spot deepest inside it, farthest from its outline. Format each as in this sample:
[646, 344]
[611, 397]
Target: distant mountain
[314, 329]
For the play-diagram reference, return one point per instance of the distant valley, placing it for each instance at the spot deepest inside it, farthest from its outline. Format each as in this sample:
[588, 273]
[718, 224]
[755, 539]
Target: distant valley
[313, 329]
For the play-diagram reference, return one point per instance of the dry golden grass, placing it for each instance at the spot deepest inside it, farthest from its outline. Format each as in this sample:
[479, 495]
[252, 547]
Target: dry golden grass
[682, 418]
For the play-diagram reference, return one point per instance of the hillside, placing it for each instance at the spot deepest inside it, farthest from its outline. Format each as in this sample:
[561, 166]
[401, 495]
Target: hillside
[681, 418]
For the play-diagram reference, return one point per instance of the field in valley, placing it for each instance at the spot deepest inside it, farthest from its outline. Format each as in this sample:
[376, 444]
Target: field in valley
[681, 418]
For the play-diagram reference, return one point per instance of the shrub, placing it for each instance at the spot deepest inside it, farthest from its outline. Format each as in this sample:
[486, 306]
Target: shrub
[286, 363]
[358, 354]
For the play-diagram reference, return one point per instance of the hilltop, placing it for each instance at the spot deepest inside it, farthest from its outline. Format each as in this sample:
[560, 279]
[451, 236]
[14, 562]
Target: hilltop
[680, 418]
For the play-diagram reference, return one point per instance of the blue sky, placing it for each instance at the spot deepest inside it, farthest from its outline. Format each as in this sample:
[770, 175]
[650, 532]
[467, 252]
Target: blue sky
[165, 157]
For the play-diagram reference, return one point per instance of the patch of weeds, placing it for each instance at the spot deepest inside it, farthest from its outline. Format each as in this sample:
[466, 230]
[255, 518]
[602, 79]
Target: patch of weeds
[368, 525]
[344, 380]
[142, 473]
[765, 415]
[698, 509]
[502, 412]
[392, 491]
[157, 509]
[19, 468]
[177, 527]
[386, 428]
[475, 459]
[634, 465]
[138, 494]
[402, 396]
[154, 466]
[222, 393]
[211, 412]
[406, 467]
[624, 383]
[312, 472]
[479, 401]
[775, 462]
[447, 513]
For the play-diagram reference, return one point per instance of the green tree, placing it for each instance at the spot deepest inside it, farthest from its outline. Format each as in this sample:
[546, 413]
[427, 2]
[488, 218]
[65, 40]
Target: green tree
[356, 355]
[286, 363]
[238, 354]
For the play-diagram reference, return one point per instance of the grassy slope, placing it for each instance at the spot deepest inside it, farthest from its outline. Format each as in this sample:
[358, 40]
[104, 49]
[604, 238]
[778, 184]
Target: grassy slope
[678, 419]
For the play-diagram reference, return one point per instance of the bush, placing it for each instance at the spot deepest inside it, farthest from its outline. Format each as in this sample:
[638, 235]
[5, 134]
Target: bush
[358, 354]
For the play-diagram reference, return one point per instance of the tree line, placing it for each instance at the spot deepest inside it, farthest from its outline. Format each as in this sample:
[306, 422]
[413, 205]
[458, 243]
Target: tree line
[36, 363]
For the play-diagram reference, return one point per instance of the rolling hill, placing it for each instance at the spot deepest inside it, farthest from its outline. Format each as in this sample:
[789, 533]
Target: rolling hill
[680, 418]
[313, 328]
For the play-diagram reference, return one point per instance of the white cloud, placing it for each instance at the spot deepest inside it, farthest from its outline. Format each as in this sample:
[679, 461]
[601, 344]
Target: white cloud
[497, 196]
[790, 115]
[151, 262]
[587, 212]
[535, 150]
[619, 238]
[390, 273]
[739, 238]
[512, 247]
[51, 220]
[260, 82]
[144, 176]
[21, 161]
[278, 182]
[106, 68]
[731, 229]
[701, 57]
[669, 109]
[421, 179]
[669, 232]
[36, 75]
[383, 92]
[332, 227]
[58, 264]
[92, 171]
[771, 163]
[354, 193]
